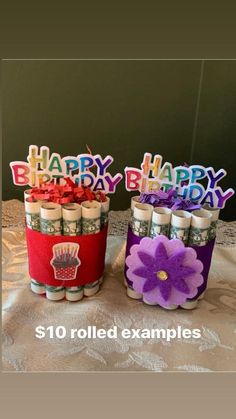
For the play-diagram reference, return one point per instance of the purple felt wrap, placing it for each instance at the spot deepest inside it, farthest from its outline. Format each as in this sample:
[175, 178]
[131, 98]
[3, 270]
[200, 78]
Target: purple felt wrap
[204, 254]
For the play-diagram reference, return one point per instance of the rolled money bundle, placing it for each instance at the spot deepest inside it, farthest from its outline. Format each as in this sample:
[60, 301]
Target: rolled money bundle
[141, 220]
[91, 288]
[55, 293]
[160, 222]
[105, 206]
[215, 212]
[91, 224]
[27, 193]
[180, 225]
[50, 220]
[32, 214]
[71, 219]
[91, 217]
[134, 201]
[32, 217]
[200, 225]
[74, 293]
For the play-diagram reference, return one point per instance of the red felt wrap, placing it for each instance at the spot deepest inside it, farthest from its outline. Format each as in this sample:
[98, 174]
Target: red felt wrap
[91, 254]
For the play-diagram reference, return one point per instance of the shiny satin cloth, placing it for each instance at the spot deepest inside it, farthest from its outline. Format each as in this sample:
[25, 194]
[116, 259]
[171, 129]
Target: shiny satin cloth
[23, 311]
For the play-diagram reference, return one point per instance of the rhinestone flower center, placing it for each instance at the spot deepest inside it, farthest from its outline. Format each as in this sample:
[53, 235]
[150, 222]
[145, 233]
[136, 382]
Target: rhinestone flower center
[162, 275]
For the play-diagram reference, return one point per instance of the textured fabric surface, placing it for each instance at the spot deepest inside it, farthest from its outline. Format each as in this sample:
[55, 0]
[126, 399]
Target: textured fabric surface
[23, 311]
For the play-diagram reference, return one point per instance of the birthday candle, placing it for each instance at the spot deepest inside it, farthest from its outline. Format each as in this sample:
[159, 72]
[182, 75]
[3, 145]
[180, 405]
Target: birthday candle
[71, 218]
[32, 211]
[200, 225]
[160, 221]
[180, 224]
[141, 220]
[50, 220]
[91, 224]
[215, 212]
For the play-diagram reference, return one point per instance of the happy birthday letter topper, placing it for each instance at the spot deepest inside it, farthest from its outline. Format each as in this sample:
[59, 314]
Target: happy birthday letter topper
[154, 175]
[84, 169]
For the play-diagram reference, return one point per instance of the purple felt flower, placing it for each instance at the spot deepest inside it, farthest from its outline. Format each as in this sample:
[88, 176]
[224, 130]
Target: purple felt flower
[164, 271]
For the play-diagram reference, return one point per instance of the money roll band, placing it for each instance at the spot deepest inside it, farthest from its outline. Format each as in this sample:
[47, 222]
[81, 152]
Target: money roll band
[105, 206]
[200, 225]
[32, 217]
[141, 219]
[51, 224]
[71, 219]
[160, 222]
[180, 225]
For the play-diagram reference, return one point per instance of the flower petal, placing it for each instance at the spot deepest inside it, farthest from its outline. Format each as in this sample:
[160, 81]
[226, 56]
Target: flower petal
[145, 258]
[141, 271]
[177, 258]
[150, 284]
[165, 289]
[161, 252]
[181, 286]
[185, 271]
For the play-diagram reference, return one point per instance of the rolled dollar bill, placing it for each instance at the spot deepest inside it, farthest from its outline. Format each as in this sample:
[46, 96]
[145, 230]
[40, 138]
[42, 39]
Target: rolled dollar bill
[134, 200]
[180, 225]
[160, 222]
[32, 213]
[91, 288]
[71, 219]
[51, 224]
[50, 218]
[105, 206]
[74, 293]
[55, 293]
[141, 220]
[32, 217]
[200, 225]
[91, 224]
[215, 212]
[91, 217]
[27, 193]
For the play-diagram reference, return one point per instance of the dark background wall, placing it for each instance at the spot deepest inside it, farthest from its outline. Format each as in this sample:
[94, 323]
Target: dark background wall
[184, 110]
